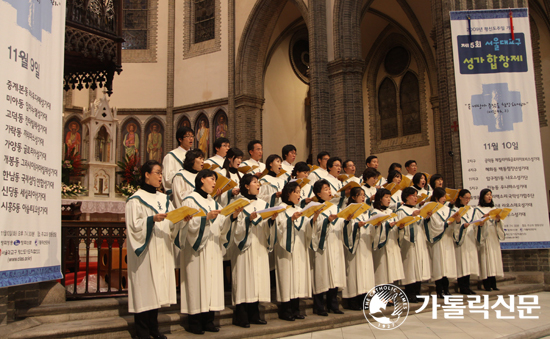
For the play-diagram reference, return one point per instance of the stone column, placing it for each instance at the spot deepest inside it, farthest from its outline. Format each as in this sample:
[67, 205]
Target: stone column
[321, 122]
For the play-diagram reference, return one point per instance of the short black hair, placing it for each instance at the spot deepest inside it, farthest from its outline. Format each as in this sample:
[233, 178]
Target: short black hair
[219, 142]
[434, 178]
[353, 193]
[394, 166]
[462, 193]
[321, 155]
[409, 162]
[246, 180]
[378, 197]
[299, 167]
[270, 160]
[251, 145]
[370, 173]
[417, 177]
[332, 160]
[147, 167]
[345, 163]
[181, 132]
[482, 195]
[205, 173]
[318, 186]
[438, 194]
[370, 158]
[287, 149]
[190, 157]
[289, 188]
[407, 192]
[394, 174]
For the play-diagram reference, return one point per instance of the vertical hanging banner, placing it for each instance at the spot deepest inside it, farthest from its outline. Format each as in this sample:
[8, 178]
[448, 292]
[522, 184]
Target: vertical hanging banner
[32, 45]
[498, 118]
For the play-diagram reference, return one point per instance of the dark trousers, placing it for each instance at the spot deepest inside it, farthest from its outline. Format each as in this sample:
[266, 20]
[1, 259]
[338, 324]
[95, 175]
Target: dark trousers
[490, 282]
[442, 285]
[464, 284]
[332, 300]
[247, 313]
[198, 322]
[413, 290]
[147, 323]
[290, 308]
[356, 303]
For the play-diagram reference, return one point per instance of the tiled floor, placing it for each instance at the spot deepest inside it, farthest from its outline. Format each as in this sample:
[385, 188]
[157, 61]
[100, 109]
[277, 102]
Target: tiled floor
[422, 326]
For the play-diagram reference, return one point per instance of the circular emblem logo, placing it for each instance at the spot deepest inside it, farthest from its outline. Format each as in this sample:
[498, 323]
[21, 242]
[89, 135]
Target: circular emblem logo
[377, 307]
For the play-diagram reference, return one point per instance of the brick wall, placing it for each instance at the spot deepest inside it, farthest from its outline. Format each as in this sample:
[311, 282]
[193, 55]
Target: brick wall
[526, 260]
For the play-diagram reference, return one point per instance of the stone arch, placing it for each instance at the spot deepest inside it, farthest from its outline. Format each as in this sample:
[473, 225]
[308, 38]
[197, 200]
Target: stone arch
[249, 67]
[220, 120]
[347, 28]
[203, 139]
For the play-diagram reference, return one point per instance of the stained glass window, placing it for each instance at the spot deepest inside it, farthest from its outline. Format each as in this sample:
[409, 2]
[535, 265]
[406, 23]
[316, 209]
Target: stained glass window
[134, 21]
[410, 104]
[204, 20]
[387, 107]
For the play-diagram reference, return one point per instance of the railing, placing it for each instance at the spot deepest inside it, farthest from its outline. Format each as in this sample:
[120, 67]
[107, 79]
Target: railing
[98, 15]
[93, 259]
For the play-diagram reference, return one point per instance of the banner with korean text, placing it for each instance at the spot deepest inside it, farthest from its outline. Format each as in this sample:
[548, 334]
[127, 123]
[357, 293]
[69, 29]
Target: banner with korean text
[32, 45]
[498, 119]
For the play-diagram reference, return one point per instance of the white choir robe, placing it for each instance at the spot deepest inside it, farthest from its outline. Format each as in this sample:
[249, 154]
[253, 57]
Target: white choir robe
[381, 182]
[288, 167]
[151, 282]
[250, 245]
[228, 197]
[414, 249]
[440, 236]
[202, 250]
[292, 263]
[216, 160]
[354, 178]
[489, 237]
[183, 184]
[318, 174]
[329, 268]
[251, 162]
[467, 259]
[388, 265]
[410, 176]
[171, 164]
[270, 186]
[370, 191]
[358, 255]
[305, 192]
[396, 201]
[335, 185]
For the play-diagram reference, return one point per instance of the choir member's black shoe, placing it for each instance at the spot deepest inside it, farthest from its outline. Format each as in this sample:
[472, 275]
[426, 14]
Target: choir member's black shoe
[158, 336]
[466, 292]
[488, 289]
[413, 300]
[245, 325]
[495, 289]
[286, 317]
[336, 311]
[390, 304]
[258, 322]
[196, 330]
[440, 296]
[210, 327]
[299, 316]
[447, 293]
[471, 292]
[322, 313]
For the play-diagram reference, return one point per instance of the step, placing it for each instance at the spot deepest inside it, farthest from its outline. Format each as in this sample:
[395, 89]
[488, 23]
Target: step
[170, 321]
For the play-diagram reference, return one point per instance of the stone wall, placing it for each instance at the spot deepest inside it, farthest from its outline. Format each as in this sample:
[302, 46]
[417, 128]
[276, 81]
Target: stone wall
[526, 260]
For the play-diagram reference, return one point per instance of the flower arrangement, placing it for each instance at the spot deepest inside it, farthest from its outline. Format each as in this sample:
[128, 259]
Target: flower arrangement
[129, 171]
[72, 190]
[71, 166]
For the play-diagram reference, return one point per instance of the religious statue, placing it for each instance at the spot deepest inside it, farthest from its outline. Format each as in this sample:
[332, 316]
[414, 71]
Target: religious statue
[73, 139]
[154, 143]
[131, 140]
[221, 129]
[202, 136]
